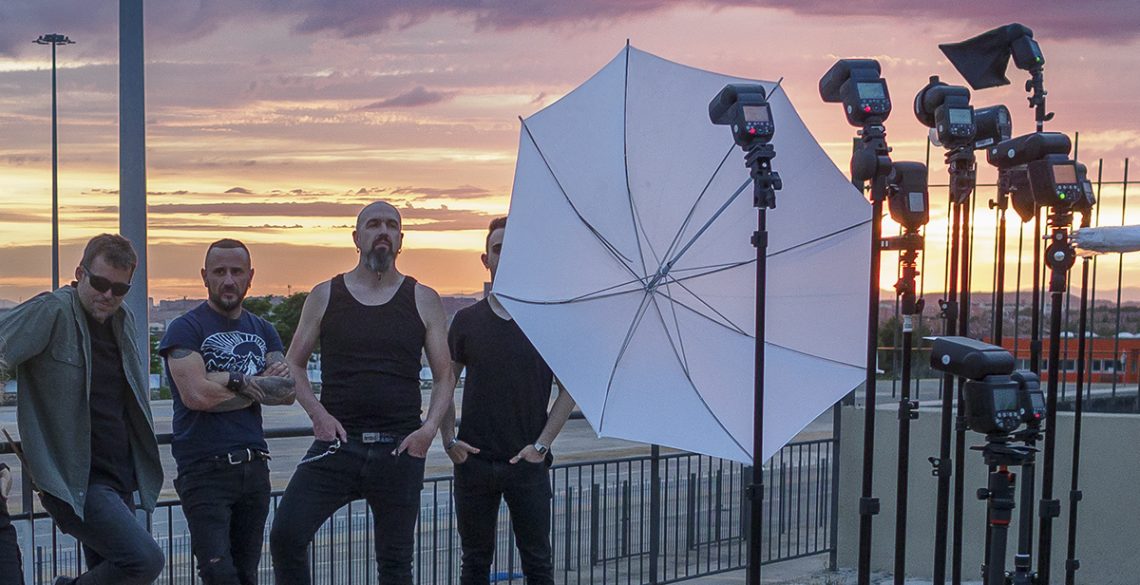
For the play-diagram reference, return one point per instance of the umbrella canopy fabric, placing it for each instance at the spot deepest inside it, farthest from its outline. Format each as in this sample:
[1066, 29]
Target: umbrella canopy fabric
[627, 262]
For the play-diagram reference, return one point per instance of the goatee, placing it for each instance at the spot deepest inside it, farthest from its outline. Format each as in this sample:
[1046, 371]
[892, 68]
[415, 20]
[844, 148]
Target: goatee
[379, 260]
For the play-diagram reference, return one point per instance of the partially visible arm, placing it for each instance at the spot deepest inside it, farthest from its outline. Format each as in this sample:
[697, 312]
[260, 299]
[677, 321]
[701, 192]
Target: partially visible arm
[438, 355]
[207, 391]
[25, 331]
[459, 451]
[199, 389]
[325, 426]
[447, 426]
[439, 359]
[271, 388]
[559, 413]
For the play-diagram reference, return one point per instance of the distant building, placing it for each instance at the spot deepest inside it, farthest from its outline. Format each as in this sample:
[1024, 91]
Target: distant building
[1107, 359]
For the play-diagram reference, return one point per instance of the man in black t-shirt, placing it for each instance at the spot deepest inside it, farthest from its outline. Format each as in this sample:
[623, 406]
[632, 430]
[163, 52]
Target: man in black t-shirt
[502, 451]
[224, 363]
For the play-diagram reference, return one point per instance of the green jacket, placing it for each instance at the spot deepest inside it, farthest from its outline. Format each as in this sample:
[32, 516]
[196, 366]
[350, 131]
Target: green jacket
[47, 341]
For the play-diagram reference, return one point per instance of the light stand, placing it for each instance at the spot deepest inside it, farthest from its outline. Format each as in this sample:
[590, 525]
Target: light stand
[745, 108]
[857, 84]
[909, 204]
[947, 110]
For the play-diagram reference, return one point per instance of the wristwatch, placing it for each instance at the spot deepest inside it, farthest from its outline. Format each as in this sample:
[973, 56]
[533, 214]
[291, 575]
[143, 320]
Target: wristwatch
[237, 380]
[450, 444]
[542, 449]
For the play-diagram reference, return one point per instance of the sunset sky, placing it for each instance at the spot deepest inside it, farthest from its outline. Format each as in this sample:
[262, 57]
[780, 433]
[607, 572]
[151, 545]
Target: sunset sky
[274, 121]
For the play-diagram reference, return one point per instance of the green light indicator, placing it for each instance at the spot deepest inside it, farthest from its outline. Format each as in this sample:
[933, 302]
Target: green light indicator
[1061, 196]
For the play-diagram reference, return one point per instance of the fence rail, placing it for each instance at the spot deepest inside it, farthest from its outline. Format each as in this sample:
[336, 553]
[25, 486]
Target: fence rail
[602, 521]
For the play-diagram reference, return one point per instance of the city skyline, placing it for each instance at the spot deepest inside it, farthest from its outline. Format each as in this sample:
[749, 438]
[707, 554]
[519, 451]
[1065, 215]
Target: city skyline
[276, 122]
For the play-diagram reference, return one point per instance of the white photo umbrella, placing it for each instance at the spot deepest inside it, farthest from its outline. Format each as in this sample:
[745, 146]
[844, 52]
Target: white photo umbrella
[627, 262]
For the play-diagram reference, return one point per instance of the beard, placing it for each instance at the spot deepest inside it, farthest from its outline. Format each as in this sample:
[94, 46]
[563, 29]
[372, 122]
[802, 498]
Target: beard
[379, 260]
[227, 304]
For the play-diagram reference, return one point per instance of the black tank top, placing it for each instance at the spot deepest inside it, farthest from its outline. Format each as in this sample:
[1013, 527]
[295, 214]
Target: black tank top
[370, 360]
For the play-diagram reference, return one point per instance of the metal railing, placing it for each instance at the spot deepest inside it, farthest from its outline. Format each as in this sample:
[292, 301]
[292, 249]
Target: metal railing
[602, 512]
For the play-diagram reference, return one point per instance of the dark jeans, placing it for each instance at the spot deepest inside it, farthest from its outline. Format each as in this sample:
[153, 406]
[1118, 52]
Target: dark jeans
[11, 567]
[119, 550]
[225, 506]
[390, 484]
[480, 486]
[11, 570]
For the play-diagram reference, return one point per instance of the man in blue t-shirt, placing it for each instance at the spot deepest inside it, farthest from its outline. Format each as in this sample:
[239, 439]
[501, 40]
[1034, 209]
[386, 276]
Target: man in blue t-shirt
[224, 363]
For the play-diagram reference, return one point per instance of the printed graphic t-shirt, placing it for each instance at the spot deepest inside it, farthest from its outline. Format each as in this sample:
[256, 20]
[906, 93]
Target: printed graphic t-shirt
[226, 345]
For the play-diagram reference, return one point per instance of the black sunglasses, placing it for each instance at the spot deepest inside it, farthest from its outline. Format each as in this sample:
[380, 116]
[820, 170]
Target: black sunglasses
[103, 285]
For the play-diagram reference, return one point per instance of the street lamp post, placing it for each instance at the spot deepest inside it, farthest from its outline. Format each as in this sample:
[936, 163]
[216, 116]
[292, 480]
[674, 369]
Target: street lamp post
[54, 40]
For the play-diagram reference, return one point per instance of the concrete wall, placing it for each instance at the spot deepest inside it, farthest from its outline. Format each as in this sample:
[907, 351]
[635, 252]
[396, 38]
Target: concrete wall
[1109, 515]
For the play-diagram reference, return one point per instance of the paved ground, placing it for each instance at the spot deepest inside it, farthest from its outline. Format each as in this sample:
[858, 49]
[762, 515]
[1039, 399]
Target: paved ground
[805, 571]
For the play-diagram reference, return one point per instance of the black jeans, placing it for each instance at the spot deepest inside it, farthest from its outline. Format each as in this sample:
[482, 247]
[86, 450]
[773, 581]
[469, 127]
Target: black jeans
[11, 568]
[225, 507]
[119, 550]
[480, 486]
[390, 484]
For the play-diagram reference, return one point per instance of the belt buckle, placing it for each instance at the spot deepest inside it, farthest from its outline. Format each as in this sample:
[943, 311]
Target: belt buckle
[248, 454]
[370, 438]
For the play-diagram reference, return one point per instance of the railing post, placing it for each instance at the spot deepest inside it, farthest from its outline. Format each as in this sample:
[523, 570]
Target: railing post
[569, 520]
[691, 513]
[655, 511]
[746, 509]
[833, 537]
[626, 517]
[595, 493]
[719, 503]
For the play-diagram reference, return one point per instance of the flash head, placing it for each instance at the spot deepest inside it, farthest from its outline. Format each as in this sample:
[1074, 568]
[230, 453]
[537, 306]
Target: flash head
[946, 108]
[1058, 181]
[1026, 148]
[744, 107]
[969, 358]
[994, 125]
[908, 199]
[859, 86]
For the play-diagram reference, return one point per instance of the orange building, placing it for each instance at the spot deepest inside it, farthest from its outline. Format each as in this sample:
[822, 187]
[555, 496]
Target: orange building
[1107, 359]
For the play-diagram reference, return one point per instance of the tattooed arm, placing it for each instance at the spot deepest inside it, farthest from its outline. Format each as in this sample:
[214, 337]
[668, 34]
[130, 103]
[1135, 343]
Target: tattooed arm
[274, 386]
[208, 391]
[199, 389]
[269, 390]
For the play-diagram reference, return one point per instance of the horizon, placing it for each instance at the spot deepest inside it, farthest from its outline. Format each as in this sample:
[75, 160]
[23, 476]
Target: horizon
[276, 124]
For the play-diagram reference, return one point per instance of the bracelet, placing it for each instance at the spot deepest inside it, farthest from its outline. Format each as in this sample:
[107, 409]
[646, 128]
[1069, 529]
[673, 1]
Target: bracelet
[452, 443]
[237, 380]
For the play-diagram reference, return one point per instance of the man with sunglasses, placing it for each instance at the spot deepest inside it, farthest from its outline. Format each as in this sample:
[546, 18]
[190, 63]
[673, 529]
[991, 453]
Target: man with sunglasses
[84, 413]
[224, 363]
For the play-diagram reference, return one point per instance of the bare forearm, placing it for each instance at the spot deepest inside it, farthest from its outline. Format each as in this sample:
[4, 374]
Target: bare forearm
[214, 396]
[447, 427]
[442, 395]
[559, 413]
[304, 392]
[234, 403]
[269, 390]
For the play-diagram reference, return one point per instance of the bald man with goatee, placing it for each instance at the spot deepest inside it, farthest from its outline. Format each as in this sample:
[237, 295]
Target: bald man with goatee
[372, 324]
